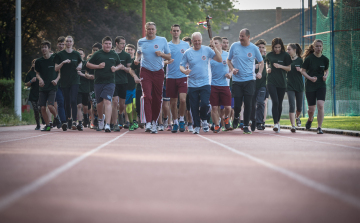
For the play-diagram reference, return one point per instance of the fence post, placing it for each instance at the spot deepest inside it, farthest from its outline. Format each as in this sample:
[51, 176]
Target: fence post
[333, 56]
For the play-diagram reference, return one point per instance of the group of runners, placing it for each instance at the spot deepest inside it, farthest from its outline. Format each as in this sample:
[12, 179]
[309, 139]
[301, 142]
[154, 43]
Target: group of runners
[177, 85]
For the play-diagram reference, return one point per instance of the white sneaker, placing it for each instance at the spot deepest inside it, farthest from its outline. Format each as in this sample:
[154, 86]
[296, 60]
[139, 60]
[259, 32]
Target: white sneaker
[148, 127]
[278, 131]
[293, 129]
[160, 127]
[196, 130]
[107, 128]
[166, 122]
[101, 124]
[154, 127]
[190, 128]
[276, 127]
[298, 122]
[205, 126]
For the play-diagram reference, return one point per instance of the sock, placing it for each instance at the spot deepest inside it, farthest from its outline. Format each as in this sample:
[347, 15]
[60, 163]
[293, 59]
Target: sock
[176, 122]
[181, 118]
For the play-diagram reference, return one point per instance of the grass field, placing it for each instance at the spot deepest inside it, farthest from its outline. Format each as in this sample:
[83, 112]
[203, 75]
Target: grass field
[338, 122]
[9, 118]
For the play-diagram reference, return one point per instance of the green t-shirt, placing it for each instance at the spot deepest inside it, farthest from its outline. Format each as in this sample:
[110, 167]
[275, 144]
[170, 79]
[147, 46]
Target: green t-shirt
[92, 72]
[277, 77]
[105, 75]
[84, 86]
[46, 70]
[121, 76]
[34, 90]
[261, 82]
[68, 72]
[136, 68]
[315, 67]
[131, 82]
[294, 78]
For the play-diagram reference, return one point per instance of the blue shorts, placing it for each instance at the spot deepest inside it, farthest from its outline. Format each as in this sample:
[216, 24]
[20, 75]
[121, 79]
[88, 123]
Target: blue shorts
[164, 95]
[130, 95]
[104, 91]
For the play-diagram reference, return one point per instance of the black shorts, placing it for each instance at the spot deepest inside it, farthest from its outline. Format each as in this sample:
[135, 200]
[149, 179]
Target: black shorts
[104, 91]
[266, 94]
[83, 98]
[241, 89]
[47, 96]
[313, 96]
[120, 91]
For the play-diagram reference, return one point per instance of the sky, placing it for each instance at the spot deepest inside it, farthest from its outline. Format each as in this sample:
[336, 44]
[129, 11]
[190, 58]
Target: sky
[270, 4]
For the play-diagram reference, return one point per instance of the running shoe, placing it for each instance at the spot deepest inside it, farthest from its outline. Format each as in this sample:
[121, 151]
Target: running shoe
[278, 131]
[154, 128]
[241, 125]
[246, 130]
[131, 127]
[217, 129]
[236, 123]
[263, 126]
[319, 131]
[64, 126]
[51, 124]
[276, 127]
[161, 127]
[175, 128]
[212, 127]
[259, 126]
[182, 126]
[298, 122]
[80, 127]
[112, 127]
[253, 126]
[227, 124]
[73, 127]
[308, 124]
[47, 128]
[168, 128]
[101, 124]
[141, 125]
[92, 126]
[126, 126]
[190, 127]
[196, 130]
[37, 127]
[116, 128]
[205, 126]
[136, 125]
[148, 127]
[293, 129]
[107, 128]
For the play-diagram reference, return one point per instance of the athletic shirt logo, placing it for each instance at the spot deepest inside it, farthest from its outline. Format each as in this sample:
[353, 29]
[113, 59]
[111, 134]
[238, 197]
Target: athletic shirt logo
[182, 51]
[156, 46]
[249, 55]
[203, 57]
[224, 62]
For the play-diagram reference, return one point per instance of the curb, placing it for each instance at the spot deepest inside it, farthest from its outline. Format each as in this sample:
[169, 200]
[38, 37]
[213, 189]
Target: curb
[325, 130]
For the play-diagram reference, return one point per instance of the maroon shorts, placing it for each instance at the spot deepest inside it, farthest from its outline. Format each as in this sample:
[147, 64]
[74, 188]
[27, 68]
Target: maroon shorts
[220, 95]
[175, 87]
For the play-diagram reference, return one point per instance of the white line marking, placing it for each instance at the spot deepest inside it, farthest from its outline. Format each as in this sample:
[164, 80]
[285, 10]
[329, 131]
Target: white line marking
[297, 177]
[6, 201]
[28, 137]
[352, 147]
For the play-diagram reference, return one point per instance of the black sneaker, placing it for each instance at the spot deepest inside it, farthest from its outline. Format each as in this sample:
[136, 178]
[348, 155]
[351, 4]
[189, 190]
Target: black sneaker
[112, 127]
[58, 122]
[253, 126]
[212, 127]
[73, 127]
[80, 127]
[64, 126]
[46, 129]
[319, 131]
[246, 130]
[37, 127]
[127, 124]
[263, 126]
[308, 124]
[236, 123]
[259, 126]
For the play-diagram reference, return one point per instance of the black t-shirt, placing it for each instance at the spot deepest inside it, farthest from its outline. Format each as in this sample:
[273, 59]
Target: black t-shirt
[136, 68]
[46, 70]
[315, 67]
[34, 90]
[277, 77]
[84, 86]
[261, 82]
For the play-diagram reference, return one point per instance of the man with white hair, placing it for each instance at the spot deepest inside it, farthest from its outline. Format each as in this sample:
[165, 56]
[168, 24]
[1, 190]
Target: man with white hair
[153, 50]
[241, 60]
[198, 58]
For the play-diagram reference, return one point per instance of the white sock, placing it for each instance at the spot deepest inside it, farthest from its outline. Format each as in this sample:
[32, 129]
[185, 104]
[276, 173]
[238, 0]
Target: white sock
[176, 122]
[181, 118]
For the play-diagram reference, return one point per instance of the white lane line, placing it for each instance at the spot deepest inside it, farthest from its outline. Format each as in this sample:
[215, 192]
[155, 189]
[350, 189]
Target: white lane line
[297, 177]
[28, 137]
[6, 201]
[328, 143]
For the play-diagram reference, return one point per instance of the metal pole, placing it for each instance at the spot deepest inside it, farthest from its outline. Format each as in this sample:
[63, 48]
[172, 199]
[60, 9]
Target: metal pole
[143, 17]
[311, 19]
[17, 87]
[303, 43]
[333, 55]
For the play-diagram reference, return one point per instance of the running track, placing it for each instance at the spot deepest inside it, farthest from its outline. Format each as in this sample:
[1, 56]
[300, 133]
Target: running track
[135, 176]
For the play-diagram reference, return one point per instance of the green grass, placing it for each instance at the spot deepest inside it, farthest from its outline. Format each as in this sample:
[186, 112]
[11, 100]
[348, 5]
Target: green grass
[9, 118]
[337, 122]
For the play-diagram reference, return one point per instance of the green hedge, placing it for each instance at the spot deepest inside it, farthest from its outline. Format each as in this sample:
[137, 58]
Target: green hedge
[7, 94]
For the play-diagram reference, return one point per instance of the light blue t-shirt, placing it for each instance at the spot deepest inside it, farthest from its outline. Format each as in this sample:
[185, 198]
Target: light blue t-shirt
[198, 61]
[149, 60]
[243, 58]
[177, 51]
[218, 71]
